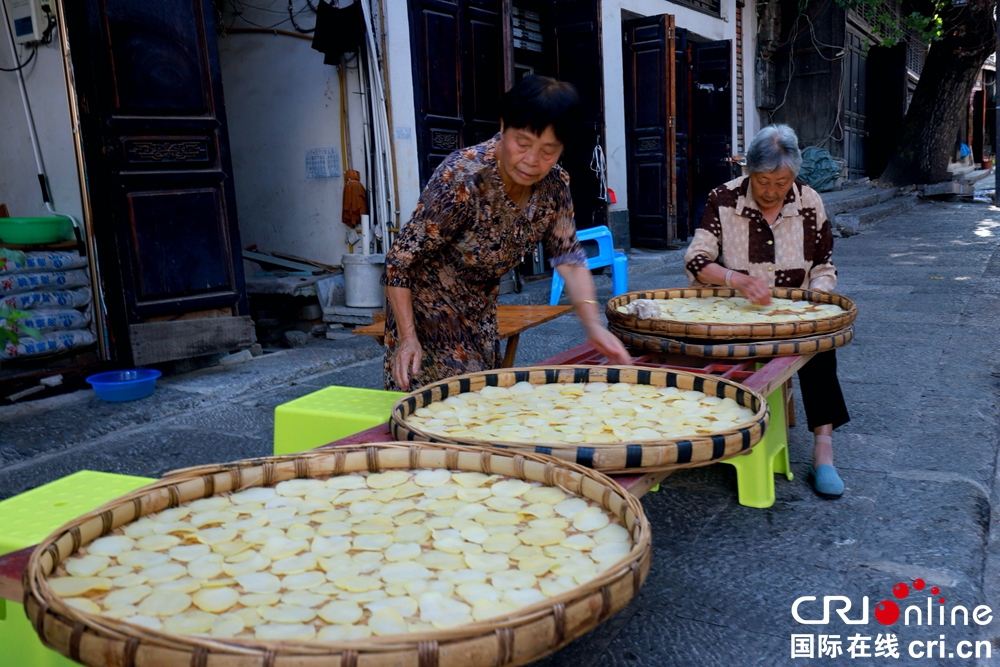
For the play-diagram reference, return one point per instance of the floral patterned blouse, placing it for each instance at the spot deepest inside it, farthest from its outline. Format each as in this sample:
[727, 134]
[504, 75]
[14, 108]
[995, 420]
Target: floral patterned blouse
[464, 235]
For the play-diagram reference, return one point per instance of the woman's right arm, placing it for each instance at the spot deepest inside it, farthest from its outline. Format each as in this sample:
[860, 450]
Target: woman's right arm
[406, 363]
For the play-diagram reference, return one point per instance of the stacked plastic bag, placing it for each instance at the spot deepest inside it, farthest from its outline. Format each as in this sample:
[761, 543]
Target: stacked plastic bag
[53, 287]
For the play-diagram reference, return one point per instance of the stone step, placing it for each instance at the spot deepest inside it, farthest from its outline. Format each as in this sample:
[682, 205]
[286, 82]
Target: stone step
[852, 222]
[947, 189]
[976, 176]
[849, 200]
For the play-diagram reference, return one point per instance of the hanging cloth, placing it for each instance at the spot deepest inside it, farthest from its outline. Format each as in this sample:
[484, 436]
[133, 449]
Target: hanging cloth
[355, 199]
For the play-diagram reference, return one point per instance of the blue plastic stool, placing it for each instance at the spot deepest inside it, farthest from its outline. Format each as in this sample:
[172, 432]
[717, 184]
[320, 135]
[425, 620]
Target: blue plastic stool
[606, 256]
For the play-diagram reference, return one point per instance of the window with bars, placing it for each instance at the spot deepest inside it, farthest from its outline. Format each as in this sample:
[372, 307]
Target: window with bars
[916, 52]
[713, 7]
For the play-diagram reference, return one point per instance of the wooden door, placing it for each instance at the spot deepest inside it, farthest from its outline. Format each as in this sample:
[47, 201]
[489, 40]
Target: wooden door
[579, 60]
[160, 177]
[855, 105]
[682, 130]
[711, 119]
[650, 117]
[458, 75]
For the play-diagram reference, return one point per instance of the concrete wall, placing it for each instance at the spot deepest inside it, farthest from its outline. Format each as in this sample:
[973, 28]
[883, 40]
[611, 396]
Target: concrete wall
[404, 116]
[46, 84]
[281, 101]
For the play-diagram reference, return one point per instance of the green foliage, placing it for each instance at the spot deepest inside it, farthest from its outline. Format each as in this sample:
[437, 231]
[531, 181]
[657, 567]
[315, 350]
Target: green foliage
[9, 330]
[891, 29]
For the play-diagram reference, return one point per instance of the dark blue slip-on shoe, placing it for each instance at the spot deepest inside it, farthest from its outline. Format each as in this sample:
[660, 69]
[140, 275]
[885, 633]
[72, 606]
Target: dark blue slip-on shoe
[826, 482]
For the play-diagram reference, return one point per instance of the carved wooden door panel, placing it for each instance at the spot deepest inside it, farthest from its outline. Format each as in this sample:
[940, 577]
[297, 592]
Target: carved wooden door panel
[160, 177]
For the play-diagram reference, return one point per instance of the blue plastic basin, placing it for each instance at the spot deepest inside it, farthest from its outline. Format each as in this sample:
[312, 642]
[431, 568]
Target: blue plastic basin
[116, 386]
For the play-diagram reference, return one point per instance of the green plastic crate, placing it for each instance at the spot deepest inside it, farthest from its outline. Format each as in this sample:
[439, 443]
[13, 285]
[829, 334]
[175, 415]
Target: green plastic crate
[29, 518]
[329, 414]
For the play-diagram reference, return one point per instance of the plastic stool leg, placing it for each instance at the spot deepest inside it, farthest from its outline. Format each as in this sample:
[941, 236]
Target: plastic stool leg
[557, 288]
[755, 471]
[619, 274]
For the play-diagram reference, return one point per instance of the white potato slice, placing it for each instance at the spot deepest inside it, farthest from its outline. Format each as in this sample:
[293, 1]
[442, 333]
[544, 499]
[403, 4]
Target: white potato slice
[486, 562]
[571, 507]
[476, 534]
[416, 587]
[368, 561]
[215, 600]
[212, 518]
[299, 487]
[442, 492]
[330, 546]
[400, 552]
[590, 519]
[164, 604]
[473, 495]
[329, 515]
[412, 533]
[190, 552]
[279, 631]
[281, 547]
[256, 494]
[503, 543]
[612, 533]
[489, 518]
[441, 560]
[486, 609]
[378, 526]
[338, 567]
[232, 548]
[355, 495]
[611, 552]
[227, 625]
[182, 585]
[557, 586]
[337, 633]
[405, 605]
[116, 571]
[510, 488]
[432, 478]
[504, 503]
[553, 523]
[250, 616]
[537, 511]
[341, 612]
[506, 579]
[85, 605]
[295, 564]
[540, 537]
[361, 598]
[260, 599]
[470, 480]
[578, 542]
[164, 572]
[358, 584]
[127, 580]
[210, 504]
[536, 565]
[435, 608]
[332, 528]
[559, 551]
[303, 580]
[388, 479]
[122, 612]
[259, 582]
[286, 613]
[206, 567]
[141, 528]
[387, 621]
[142, 559]
[174, 527]
[112, 545]
[544, 494]
[403, 572]
[126, 596]
[249, 523]
[171, 515]
[352, 481]
[474, 592]
[522, 597]
[212, 536]
[397, 507]
[303, 598]
[87, 566]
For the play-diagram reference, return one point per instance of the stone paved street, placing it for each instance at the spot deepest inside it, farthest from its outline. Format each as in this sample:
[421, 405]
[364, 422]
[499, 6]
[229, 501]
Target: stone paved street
[918, 458]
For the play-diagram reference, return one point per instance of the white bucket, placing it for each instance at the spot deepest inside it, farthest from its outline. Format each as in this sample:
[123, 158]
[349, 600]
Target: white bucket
[362, 274]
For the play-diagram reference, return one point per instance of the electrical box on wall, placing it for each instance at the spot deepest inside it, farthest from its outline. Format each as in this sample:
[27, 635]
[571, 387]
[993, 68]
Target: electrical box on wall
[29, 19]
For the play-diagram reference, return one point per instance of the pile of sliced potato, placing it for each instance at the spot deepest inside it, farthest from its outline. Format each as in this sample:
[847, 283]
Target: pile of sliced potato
[592, 412]
[349, 557]
[737, 310]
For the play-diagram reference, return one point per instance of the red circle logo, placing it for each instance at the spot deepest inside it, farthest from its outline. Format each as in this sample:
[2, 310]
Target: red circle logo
[900, 590]
[886, 612]
[918, 584]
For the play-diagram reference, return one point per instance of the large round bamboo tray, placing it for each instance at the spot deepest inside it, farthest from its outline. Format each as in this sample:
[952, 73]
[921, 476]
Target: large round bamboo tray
[742, 332]
[755, 349]
[526, 635]
[684, 451]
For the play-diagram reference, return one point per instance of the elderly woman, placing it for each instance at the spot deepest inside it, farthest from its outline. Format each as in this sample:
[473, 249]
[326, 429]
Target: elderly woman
[483, 210]
[769, 230]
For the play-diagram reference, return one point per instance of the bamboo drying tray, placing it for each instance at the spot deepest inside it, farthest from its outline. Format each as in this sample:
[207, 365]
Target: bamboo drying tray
[525, 635]
[684, 451]
[741, 332]
[754, 349]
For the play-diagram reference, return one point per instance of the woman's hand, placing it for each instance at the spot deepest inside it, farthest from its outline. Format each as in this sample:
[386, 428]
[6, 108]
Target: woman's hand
[406, 362]
[754, 289]
[607, 344]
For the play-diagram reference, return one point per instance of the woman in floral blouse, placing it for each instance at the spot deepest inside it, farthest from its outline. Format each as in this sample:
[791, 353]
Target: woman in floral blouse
[484, 208]
[769, 230]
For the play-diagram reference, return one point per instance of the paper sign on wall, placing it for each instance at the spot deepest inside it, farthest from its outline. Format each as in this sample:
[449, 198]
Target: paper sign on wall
[322, 163]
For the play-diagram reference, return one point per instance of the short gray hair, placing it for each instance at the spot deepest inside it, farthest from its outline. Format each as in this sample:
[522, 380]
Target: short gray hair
[774, 147]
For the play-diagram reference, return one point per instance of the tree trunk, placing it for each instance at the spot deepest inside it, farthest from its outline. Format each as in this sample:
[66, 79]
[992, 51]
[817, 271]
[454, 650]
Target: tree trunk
[936, 111]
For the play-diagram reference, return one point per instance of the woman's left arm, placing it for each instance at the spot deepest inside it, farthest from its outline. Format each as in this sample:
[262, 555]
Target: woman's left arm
[581, 292]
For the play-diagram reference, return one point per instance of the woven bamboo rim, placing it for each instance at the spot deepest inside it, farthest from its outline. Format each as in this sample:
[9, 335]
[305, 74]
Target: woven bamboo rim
[742, 332]
[686, 451]
[757, 349]
[526, 635]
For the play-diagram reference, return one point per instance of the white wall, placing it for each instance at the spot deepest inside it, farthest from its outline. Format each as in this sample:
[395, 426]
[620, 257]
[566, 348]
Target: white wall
[404, 119]
[281, 100]
[699, 23]
[46, 86]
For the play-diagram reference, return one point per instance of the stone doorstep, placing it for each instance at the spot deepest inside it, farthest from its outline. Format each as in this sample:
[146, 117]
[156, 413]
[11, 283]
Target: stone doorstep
[849, 200]
[976, 176]
[349, 315]
[947, 188]
[864, 218]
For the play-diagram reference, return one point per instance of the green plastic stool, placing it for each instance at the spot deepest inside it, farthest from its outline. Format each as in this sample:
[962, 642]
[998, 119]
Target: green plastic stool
[27, 519]
[755, 471]
[329, 414]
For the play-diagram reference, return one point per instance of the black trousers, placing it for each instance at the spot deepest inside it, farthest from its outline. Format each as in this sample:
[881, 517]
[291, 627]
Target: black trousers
[821, 394]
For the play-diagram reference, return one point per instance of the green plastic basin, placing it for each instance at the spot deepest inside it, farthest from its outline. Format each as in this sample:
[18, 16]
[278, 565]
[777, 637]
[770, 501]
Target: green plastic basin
[28, 231]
